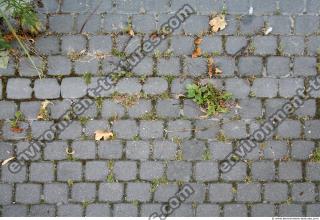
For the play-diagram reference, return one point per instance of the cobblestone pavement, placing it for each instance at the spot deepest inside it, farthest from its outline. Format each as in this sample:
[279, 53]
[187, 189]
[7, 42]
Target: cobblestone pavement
[161, 138]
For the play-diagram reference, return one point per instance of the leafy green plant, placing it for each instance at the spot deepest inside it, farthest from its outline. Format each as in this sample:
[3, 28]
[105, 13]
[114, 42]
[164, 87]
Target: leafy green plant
[17, 118]
[87, 77]
[210, 99]
[316, 155]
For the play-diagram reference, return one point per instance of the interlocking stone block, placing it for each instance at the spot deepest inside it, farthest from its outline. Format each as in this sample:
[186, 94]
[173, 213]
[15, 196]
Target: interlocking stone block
[195, 66]
[164, 150]
[311, 129]
[42, 210]
[306, 24]
[28, 68]
[111, 109]
[125, 210]
[169, 66]
[275, 150]
[196, 24]
[165, 191]
[249, 66]
[264, 45]
[55, 193]
[83, 192]
[111, 192]
[276, 192]
[291, 6]
[73, 87]
[71, 132]
[61, 23]
[238, 87]
[110, 150]
[15, 210]
[263, 170]
[137, 150]
[312, 45]
[304, 66]
[280, 24]
[235, 44]
[138, 191]
[69, 170]
[144, 23]
[208, 210]
[55, 150]
[70, 210]
[150, 170]
[183, 131]
[100, 44]
[292, 45]
[313, 210]
[220, 192]
[290, 170]
[41, 172]
[125, 170]
[179, 170]
[251, 24]
[265, 87]
[312, 171]
[74, 6]
[47, 89]
[59, 65]
[155, 86]
[235, 210]
[278, 66]
[73, 44]
[263, 7]
[206, 171]
[211, 44]
[303, 192]
[248, 192]
[6, 194]
[125, 129]
[115, 22]
[168, 108]
[290, 210]
[192, 150]
[151, 129]
[96, 170]
[128, 86]
[98, 210]
[28, 193]
[237, 6]
[19, 89]
[93, 22]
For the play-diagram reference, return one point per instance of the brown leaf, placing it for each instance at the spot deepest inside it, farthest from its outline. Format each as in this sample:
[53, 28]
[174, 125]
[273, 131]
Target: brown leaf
[16, 129]
[42, 114]
[7, 161]
[218, 23]
[196, 53]
[103, 135]
[198, 41]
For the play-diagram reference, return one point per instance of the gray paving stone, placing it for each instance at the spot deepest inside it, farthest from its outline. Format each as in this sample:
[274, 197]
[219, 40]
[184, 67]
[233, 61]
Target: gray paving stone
[275, 150]
[69, 170]
[29, 109]
[110, 150]
[165, 191]
[128, 86]
[42, 210]
[6, 150]
[164, 150]
[148, 209]
[73, 87]
[84, 149]
[226, 65]
[111, 109]
[179, 85]
[265, 87]
[98, 210]
[237, 7]
[125, 210]
[192, 150]
[154, 6]
[55, 193]
[8, 109]
[144, 67]
[303, 192]
[312, 45]
[306, 24]
[73, 44]
[292, 45]
[251, 24]
[138, 192]
[250, 66]
[125, 170]
[220, 192]
[219, 150]
[237, 173]
[28, 68]
[41, 172]
[169, 66]
[290, 210]
[183, 131]
[301, 150]
[150, 170]
[235, 129]
[61, 23]
[276, 192]
[19, 89]
[7, 194]
[235, 210]
[248, 192]
[199, 192]
[144, 23]
[179, 170]
[125, 129]
[312, 210]
[111, 192]
[70, 210]
[250, 108]
[206, 129]
[137, 150]
[151, 129]
[195, 66]
[93, 24]
[155, 86]
[311, 129]
[263, 170]
[72, 132]
[47, 89]
[262, 210]
[28, 193]
[55, 150]
[115, 22]
[291, 7]
[278, 66]
[74, 6]
[96, 170]
[235, 44]
[238, 87]
[280, 24]
[59, 65]
[206, 171]
[83, 192]
[311, 170]
[185, 210]
[290, 170]
[15, 210]
[208, 210]
[211, 44]
[168, 108]
[304, 66]
[290, 129]
[264, 45]
[11, 68]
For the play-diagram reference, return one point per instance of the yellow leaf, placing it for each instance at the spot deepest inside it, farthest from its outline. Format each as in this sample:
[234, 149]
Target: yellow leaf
[131, 32]
[7, 161]
[103, 135]
[218, 23]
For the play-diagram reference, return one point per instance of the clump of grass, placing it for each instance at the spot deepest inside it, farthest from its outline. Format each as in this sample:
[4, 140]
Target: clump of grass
[83, 120]
[87, 77]
[221, 137]
[99, 103]
[157, 182]
[119, 75]
[110, 178]
[206, 155]
[315, 157]
[70, 182]
[18, 117]
[210, 99]
[118, 53]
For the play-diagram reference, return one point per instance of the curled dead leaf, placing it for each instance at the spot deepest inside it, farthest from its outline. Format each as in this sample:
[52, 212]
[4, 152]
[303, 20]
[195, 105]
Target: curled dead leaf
[16, 129]
[218, 23]
[196, 53]
[43, 113]
[198, 41]
[103, 135]
[7, 161]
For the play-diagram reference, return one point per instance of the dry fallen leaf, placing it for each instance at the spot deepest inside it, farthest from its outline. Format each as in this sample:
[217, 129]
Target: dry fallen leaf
[43, 113]
[103, 135]
[218, 23]
[196, 53]
[7, 161]
[131, 32]
[198, 41]
[218, 71]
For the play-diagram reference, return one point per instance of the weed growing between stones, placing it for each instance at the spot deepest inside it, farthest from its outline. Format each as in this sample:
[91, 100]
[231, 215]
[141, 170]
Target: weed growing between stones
[316, 155]
[14, 123]
[210, 99]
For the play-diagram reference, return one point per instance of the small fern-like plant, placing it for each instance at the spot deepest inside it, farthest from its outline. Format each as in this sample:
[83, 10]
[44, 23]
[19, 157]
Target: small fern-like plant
[210, 99]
